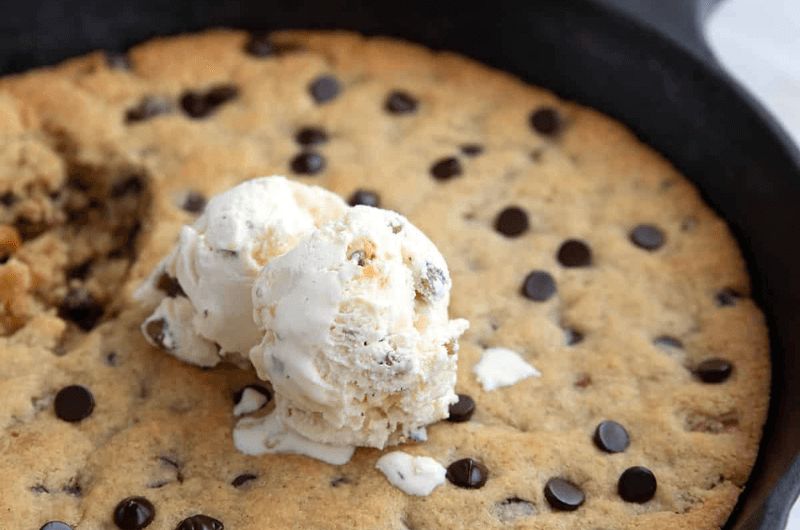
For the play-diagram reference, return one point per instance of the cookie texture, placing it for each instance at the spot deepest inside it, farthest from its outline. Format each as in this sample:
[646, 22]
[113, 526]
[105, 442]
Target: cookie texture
[568, 241]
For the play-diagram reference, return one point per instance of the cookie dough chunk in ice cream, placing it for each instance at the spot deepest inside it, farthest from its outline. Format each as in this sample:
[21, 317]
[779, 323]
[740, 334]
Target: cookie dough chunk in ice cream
[203, 287]
[357, 341]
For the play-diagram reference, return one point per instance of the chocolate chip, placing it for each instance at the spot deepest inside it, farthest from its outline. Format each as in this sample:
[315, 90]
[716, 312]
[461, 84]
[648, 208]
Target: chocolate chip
[308, 136]
[324, 88]
[199, 522]
[308, 163]
[237, 396]
[648, 237]
[242, 479]
[512, 221]
[727, 297]
[583, 381]
[56, 525]
[81, 308]
[472, 149]
[399, 102]
[80, 271]
[573, 336]
[169, 286]
[637, 484]
[338, 481]
[148, 107]
[157, 331]
[546, 121]
[118, 61]
[261, 45]
[446, 168]
[611, 437]
[4, 258]
[73, 403]
[467, 473]
[8, 199]
[111, 358]
[539, 286]
[134, 513]
[202, 104]
[39, 489]
[574, 253]
[462, 409]
[73, 488]
[714, 371]
[563, 495]
[366, 198]
[128, 185]
[194, 202]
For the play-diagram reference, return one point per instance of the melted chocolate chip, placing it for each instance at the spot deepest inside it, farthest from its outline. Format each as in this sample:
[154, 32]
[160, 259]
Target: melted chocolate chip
[637, 484]
[307, 163]
[512, 221]
[118, 61]
[169, 286]
[80, 271]
[665, 341]
[472, 149]
[546, 121]
[157, 331]
[134, 513]
[237, 396]
[574, 253]
[727, 297]
[647, 237]
[202, 104]
[194, 202]
[366, 198]
[111, 358]
[714, 371]
[573, 336]
[261, 45]
[462, 409]
[467, 473]
[128, 185]
[399, 102]
[4, 258]
[147, 108]
[8, 199]
[446, 169]
[539, 286]
[199, 522]
[56, 525]
[583, 381]
[611, 437]
[242, 479]
[39, 489]
[563, 495]
[73, 403]
[81, 308]
[324, 89]
[308, 136]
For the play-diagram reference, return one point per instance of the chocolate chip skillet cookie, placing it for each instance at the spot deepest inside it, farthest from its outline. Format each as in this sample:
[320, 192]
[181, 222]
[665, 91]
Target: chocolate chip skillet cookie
[615, 374]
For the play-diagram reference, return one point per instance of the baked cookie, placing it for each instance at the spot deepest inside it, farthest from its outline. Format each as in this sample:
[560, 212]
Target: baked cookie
[573, 249]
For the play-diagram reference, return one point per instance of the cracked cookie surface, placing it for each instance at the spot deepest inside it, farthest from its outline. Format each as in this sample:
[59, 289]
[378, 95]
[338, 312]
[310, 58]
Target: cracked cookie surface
[568, 242]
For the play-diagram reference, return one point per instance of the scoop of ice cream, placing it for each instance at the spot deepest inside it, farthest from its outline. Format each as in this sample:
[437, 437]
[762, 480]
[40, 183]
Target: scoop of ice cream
[203, 287]
[357, 341]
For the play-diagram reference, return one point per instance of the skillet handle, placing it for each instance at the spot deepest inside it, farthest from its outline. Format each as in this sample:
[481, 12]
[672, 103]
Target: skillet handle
[679, 20]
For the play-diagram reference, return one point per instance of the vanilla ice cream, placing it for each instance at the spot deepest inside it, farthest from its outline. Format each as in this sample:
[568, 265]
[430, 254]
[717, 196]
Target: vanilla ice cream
[203, 287]
[357, 341]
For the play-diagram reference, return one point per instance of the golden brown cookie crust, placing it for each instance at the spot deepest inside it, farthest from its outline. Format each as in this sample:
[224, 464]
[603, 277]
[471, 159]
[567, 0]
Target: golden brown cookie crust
[162, 429]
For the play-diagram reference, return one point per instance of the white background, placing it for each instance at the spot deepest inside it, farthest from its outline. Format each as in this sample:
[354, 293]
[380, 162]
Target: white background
[758, 41]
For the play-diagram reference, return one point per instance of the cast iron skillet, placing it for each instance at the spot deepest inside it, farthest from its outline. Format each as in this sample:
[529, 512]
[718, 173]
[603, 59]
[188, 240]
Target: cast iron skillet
[644, 62]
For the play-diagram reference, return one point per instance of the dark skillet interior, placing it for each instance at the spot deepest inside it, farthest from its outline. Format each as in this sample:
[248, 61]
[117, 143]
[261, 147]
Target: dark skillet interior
[683, 106]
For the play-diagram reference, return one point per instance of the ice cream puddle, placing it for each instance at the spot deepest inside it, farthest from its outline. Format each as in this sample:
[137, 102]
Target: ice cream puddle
[501, 367]
[343, 310]
[415, 475]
